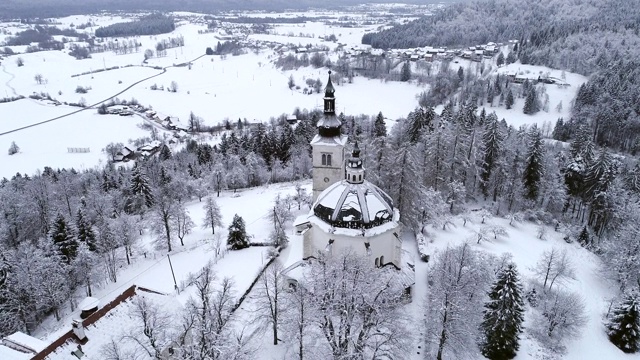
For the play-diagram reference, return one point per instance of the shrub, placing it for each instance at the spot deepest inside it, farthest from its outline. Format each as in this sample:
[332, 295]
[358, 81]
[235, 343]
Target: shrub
[13, 149]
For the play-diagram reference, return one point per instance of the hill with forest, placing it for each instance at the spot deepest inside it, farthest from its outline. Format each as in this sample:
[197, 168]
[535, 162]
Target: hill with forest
[596, 38]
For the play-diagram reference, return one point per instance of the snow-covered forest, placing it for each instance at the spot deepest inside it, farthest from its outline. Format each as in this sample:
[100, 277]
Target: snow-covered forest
[451, 164]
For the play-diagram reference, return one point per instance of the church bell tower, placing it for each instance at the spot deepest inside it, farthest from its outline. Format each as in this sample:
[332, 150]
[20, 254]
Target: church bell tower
[328, 146]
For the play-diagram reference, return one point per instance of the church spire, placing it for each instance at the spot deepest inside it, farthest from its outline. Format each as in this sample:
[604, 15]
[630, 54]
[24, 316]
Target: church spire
[329, 125]
[329, 98]
[355, 170]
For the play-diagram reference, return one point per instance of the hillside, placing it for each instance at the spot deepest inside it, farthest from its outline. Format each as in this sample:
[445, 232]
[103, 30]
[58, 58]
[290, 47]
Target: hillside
[591, 38]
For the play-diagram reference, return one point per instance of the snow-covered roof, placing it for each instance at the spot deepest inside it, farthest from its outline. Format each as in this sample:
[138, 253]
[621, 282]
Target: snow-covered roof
[25, 341]
[329, 122]
[7, 353]
[88, 303]
[354, 206]
[117, 322]
[333, 140]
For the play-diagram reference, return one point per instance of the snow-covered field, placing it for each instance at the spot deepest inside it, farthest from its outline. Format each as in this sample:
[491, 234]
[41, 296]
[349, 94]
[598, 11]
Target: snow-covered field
[246, 86]
[557, 95]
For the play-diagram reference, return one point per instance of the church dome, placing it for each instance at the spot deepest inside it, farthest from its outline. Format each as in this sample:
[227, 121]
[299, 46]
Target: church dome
[354, 205]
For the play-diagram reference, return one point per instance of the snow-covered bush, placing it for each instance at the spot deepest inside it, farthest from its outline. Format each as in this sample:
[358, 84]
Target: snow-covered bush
[13, 149]
[560, 316]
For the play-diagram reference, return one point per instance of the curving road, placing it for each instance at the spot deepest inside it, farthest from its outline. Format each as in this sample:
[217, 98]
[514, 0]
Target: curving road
[164, 70]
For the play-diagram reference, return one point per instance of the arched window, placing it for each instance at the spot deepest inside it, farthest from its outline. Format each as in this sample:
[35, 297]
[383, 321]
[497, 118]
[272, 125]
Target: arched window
[382, 260]
[324, 159]
[377, 262]
[328, 159]
[359, 177]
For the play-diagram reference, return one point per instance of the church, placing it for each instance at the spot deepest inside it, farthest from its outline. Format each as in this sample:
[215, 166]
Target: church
[349, 213]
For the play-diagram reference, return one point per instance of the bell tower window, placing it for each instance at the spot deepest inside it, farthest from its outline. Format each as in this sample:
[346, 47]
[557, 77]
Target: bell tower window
[326, 159]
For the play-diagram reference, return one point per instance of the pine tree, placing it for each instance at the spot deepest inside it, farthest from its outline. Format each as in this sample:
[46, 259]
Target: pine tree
[419, 120]
[583, 238]
[212, 217]
[140, 186]
[85, 231]
[63, 239]
[623, 326]
[534, 164]
[405, 74]
[503, 316]
[379, 127]
[531, 103]
[237, 238]
[165, 153]
[509, 101]
[500, 60]
[492, 139]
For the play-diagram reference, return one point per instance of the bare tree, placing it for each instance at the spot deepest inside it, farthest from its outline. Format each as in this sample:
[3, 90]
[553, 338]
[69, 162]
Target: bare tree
[457, 281]
[152, 332]
[173, 87]
[297, 320]
[357, 309]
[210, 311]
[561, 316]
[39, 79]
[270, 304]
[125, 228]
[554, 266]
[212, 217]
[183, 223]
[163, 215]
[112, 149]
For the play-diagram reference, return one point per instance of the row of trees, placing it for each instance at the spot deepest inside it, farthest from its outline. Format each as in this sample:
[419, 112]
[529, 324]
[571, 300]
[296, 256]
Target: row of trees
[147, 25]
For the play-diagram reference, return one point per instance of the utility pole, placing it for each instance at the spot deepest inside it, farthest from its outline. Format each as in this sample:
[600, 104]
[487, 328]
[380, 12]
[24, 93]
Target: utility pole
[175, 284]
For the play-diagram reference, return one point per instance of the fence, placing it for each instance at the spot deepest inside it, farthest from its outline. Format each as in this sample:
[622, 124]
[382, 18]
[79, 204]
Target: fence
[78, 150]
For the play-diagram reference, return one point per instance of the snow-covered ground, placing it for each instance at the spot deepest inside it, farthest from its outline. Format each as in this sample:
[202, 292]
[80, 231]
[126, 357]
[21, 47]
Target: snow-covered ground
[557, 94]
[526, 248]
[150, 269]
[246, 86]
[47, 144]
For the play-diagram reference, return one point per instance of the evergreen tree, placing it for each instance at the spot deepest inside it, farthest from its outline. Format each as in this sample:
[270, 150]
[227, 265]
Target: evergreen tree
[63, 239]
[165, 153]
[492, 139]
[503, 316]
[140, 186]
[623, 326]
[500, 60]
[85, 231]
[237, 238]
[509, 101]
[379, 127]
[583, 238]
[405, 74]
[531, 103]
[419, 120]
[533, 170]
[511, 58]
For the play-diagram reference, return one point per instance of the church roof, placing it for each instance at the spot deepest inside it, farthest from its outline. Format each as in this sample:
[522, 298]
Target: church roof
[354, 206]
[333, 140]
[329, 121]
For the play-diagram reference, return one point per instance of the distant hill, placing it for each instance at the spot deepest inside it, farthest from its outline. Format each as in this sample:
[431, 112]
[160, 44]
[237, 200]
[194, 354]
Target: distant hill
[56, 8]
[597, 38]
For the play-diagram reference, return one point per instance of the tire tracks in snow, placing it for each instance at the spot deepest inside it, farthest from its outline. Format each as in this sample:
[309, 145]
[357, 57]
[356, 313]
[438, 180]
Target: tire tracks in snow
[164, 70]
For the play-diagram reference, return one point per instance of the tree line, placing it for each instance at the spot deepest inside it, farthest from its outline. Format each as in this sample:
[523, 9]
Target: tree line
[147, 25]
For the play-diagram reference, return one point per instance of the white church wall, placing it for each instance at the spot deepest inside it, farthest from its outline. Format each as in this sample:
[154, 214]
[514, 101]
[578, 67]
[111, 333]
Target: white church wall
[385, 246]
